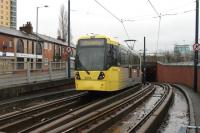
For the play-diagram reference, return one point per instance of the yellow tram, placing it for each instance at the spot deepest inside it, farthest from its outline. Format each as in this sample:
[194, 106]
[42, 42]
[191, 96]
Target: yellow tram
[102, 64]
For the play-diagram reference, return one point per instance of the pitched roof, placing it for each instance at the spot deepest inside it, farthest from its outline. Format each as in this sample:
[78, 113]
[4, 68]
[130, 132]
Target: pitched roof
[21, 34]
[16, 33]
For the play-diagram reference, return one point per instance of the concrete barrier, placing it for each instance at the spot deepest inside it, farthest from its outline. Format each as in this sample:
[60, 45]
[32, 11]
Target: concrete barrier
[17, 90]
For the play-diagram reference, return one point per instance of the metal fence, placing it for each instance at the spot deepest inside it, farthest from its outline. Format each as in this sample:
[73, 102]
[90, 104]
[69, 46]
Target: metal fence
[28, 72]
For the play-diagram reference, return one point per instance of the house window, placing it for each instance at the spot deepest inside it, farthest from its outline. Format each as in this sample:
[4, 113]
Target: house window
[33, 48]
[39, 49]
[27, 47]
[20, 46]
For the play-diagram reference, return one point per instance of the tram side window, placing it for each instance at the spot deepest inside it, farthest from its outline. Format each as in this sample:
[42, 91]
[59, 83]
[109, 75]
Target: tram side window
[115, 50]
[112, 55]
[126, 59]
[109, 57]
[136, 61]
[130, 59]
[122, 59]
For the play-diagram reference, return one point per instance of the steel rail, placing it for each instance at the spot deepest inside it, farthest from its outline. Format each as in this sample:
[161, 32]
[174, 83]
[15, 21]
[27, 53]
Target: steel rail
[42, 123]
[37, 108]
[23, 100]
[80, 113]
[17, 118]
[142, 121]
[120, 113]
[102, 113]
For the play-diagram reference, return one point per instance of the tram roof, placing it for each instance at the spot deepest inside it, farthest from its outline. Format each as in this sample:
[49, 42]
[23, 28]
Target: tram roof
[109, 40]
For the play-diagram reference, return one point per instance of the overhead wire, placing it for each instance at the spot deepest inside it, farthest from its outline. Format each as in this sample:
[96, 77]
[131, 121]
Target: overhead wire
[138, 18]
[181, 6]
[120, 20]
[108, 11]
[154, 8]
[159, 15]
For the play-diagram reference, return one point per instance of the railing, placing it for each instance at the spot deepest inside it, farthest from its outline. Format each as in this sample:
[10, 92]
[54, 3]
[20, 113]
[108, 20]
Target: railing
[179, 63]
[27, 72]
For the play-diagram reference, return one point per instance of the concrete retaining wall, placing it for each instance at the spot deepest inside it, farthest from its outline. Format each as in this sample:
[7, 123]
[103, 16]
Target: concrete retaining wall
[17, 90]
[181, 74]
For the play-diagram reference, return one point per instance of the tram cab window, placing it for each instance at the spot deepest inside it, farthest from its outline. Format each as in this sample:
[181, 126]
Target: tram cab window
[112, 55]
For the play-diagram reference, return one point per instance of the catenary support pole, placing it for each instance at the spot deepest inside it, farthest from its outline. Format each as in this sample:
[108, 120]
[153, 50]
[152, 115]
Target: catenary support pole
[196, 51]
[69, 41]
[144, 62]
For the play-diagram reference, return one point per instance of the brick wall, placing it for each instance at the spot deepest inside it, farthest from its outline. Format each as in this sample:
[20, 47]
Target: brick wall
[177, 74]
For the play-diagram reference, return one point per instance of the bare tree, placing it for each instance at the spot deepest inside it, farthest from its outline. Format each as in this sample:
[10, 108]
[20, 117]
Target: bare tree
[63, 21]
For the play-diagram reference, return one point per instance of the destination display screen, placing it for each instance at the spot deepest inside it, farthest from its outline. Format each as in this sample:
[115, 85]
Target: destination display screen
[91, 42]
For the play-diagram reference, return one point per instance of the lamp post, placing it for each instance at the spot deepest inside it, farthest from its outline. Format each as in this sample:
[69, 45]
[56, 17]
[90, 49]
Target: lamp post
[45, 6]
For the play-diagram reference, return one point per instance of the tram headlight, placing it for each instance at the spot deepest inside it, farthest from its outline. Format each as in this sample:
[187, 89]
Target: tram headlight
[77, 76]
[101, 76]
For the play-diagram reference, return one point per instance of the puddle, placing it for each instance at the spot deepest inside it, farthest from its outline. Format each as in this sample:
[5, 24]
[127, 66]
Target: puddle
[177, 116]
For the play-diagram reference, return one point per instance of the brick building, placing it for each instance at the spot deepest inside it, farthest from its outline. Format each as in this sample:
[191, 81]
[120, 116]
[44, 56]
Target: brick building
[19, 46]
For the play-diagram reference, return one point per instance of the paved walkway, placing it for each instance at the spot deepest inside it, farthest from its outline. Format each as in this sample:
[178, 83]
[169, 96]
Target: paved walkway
[194, 100]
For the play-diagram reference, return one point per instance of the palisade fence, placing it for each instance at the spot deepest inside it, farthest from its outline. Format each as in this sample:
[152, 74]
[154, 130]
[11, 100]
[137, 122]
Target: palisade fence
[28, 72]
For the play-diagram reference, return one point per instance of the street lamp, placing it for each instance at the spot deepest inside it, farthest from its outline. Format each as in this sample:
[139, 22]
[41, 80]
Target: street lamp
[45, 6]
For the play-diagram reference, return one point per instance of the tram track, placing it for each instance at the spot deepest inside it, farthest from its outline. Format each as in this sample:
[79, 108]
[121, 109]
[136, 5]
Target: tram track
[25, 101]
[32, 118]
[86, 113]
[98, 118]
[98, 115]
[26, 117]
[151, 120]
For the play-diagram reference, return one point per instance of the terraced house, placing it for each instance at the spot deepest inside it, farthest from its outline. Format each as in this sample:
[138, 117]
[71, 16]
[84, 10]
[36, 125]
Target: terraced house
[20, 46]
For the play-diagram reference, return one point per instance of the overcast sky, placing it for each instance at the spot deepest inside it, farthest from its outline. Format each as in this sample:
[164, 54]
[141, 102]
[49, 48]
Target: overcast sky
[88, 17]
